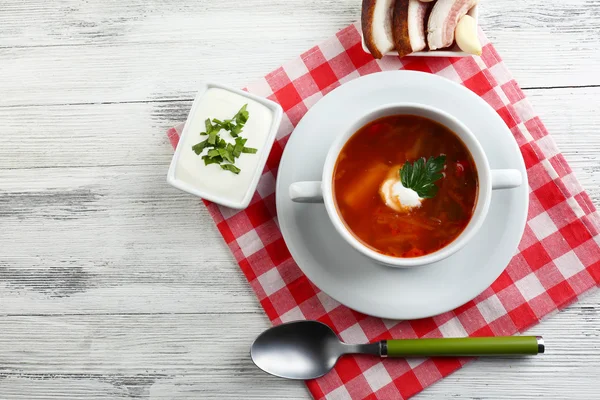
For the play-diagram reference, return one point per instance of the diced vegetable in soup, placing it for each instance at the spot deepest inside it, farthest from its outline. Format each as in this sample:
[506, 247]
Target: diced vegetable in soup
[405, 185]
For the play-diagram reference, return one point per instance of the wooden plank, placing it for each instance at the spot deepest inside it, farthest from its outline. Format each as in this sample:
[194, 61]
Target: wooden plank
[134, 134]
[35, 23]
[111, 240]
[90, 134]
[571, 116]
[206, 356]
[161, 50]
[138, 356]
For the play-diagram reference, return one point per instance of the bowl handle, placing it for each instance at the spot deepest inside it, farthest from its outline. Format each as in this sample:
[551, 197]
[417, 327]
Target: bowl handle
[506, 178]
[306, 192]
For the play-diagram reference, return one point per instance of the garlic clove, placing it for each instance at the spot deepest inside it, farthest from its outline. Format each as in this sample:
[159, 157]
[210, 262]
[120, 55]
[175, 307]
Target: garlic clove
[466, 36]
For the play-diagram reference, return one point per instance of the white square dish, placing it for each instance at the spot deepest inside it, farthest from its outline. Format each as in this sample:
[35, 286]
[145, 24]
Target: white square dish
[454, 52]
[188, 172]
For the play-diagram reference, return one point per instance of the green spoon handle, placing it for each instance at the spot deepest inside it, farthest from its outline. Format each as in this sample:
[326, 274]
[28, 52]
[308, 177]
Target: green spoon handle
[477, 346]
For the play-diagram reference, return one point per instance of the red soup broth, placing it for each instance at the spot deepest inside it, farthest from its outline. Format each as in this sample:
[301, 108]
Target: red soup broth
[376, 152]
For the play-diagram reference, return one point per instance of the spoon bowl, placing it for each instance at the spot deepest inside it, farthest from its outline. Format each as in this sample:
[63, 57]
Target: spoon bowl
[295, 350]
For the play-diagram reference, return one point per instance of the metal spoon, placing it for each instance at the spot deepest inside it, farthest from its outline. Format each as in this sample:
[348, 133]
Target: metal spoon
[310, 349]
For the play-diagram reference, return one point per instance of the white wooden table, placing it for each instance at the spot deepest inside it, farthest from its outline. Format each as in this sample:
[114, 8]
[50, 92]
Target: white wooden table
[114, 285]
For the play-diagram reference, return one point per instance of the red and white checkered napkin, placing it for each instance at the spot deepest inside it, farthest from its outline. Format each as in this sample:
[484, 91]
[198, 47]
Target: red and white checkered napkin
[557, 261]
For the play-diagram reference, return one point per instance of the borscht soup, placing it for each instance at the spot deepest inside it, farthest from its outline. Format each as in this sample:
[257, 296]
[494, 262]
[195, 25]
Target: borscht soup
[405, 186]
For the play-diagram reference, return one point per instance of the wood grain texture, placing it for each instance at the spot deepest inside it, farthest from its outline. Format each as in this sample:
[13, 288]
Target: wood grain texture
[112, 52]
[113, 285]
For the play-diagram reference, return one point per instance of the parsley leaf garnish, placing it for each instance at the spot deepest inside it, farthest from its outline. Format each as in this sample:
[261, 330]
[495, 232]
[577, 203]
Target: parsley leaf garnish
[219, 151]
[421, 175]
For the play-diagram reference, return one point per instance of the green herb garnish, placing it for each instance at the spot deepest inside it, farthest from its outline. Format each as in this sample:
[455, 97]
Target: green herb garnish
[231, 167]
[219, 151]
[212, 137]
[212, 160]
[199, 147]
[421, 175]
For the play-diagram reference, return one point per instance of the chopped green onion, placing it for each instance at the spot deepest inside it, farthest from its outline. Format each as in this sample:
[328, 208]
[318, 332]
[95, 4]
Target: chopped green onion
[199, 147]
[231, 167]
[249, 150]
[219, 150]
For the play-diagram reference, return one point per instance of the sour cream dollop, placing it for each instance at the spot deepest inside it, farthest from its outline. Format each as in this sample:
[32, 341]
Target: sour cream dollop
[398, 197]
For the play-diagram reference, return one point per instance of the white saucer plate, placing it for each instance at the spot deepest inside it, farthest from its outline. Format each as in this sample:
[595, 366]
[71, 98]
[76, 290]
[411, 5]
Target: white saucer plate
[348, 276]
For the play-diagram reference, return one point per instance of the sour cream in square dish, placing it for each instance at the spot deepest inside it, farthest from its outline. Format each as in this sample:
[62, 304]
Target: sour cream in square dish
[224, 145]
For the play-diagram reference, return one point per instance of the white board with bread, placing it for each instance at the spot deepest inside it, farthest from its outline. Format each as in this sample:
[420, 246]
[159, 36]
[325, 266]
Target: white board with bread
[429, 28]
